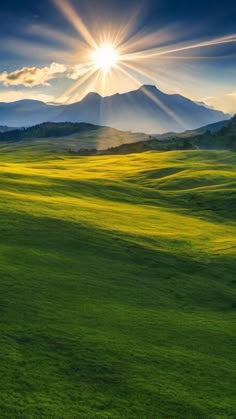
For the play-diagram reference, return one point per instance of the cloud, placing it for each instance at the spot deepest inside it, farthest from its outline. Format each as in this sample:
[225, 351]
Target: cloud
[35, 76]
[77, 71]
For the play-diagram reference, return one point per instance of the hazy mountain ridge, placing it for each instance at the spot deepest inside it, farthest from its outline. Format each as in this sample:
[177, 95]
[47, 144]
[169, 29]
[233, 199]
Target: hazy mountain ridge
[84, 138]
[223, 139]
[69, 136]
[146, 109]
[46, 130]
[215, 127]
[4, 128]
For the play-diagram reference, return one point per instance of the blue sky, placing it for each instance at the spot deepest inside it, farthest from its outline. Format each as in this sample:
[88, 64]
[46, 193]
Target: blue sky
[35, 60]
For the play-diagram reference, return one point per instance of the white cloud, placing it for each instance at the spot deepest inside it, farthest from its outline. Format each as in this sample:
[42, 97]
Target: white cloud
[35, 76]
[32, 76]
[78, 70]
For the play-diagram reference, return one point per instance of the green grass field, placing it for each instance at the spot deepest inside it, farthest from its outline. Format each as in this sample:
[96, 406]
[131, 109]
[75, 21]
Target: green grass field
[117, 285]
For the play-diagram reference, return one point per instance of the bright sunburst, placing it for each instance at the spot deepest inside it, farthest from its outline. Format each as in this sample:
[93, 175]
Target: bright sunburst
[114, 56]
[105, 57]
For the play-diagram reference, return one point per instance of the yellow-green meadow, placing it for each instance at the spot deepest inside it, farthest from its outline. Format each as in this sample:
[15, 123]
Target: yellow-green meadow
[117, 284]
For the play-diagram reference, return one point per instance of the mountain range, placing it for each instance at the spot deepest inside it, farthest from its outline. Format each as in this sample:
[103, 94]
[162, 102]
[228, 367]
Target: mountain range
[5, 128]
[221, 136]
[68, 136]
[85, 138]
[146, 109]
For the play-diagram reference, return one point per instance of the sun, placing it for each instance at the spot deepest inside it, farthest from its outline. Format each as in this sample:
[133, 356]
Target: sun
[105, 57]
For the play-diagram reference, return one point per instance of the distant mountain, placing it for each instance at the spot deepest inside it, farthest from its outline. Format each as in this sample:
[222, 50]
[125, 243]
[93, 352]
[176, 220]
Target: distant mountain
[69, 136]
[222, 139]
[25, 113]
[144, 110]
[89, 139]
[192, 133]
[47, 130]
[4, 128]
[204, 104]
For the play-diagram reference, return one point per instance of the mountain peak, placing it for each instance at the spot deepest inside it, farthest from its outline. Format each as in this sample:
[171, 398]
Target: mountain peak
[149, 87]
[146, 109]
[92, 95]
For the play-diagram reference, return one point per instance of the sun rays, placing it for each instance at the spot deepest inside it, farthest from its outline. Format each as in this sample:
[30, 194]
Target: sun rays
[105, 57]
[110, 57]
[116, 55]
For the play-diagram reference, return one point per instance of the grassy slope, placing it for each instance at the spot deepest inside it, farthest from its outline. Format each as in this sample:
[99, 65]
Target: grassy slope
[210, 139]
[117, 285]
[69, 136]
[215, 127]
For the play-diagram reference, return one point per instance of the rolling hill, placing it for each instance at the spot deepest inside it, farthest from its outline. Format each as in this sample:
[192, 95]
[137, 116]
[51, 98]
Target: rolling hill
[146, 109]
[220, 136]
[117, 284]
[213, 128]
[86, 138]
[4, 128]
[71, 136]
